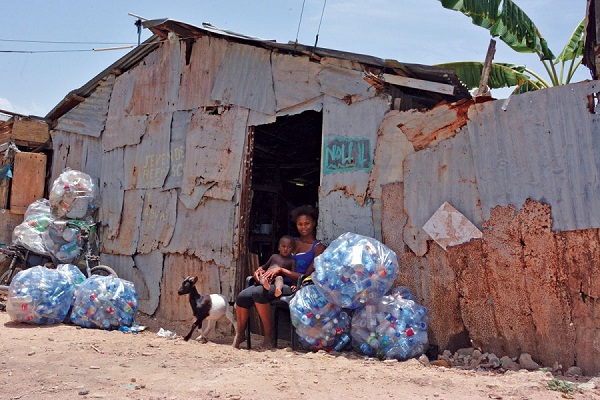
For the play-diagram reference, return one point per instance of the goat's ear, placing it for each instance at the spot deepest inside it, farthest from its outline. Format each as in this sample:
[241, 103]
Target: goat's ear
[195, 279]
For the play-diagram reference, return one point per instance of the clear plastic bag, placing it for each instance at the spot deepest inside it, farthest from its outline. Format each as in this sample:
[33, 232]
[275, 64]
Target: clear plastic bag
[104, 302]
[73, 195]
[394, 327]
[319, 323]
[40, 295]
[354, 270]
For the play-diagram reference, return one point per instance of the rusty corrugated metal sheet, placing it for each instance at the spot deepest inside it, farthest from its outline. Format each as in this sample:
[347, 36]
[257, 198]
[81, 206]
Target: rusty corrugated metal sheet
[112, 188]
[205, 232]
[160, 207]
[294, 80]
[199, 72]
[542, 145]
[233, 86]
[212, 156]
[147, 164]
[88, 117]
[441, 173]
[76, 152]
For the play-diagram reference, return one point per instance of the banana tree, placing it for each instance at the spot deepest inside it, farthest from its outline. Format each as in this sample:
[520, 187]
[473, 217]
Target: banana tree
[504, 19]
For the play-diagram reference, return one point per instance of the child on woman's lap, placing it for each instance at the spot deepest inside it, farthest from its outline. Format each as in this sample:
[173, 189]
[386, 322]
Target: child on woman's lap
[284, 259]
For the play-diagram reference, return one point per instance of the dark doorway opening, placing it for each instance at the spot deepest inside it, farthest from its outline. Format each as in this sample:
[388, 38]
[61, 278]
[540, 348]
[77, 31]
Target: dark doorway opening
[285, 174]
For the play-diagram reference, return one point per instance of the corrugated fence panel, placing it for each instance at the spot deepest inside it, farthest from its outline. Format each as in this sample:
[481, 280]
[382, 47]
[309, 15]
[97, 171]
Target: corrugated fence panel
[125, 243]
[295, 80]
[198, 76]
[392, 149]
[545, 146]
[435, 175]
[156, 229]
[205, 231]
[89, 117]
[147, 164]
[245, 79]
[123, 129]
[157, 79]
[349, 136]
[214, 149]
[340, 214]
[112, 189]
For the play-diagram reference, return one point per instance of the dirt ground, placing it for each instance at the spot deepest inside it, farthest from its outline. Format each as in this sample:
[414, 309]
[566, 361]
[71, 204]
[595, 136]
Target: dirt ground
[68, 362]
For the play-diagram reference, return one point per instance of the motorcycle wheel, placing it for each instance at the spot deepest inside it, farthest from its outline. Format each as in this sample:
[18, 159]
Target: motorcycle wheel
[103, 270]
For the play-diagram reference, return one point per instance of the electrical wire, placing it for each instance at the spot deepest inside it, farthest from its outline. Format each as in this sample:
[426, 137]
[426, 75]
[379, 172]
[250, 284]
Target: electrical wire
[60, 42]
[321, 20]
[299, 22]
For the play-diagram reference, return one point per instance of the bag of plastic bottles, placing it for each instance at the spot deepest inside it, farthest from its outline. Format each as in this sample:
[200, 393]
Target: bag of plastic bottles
[104, 302]
[40, 295]
[72, 272]
[355, 269]
[36, 221]
[394, 327]
[319, 323]
[73, 195]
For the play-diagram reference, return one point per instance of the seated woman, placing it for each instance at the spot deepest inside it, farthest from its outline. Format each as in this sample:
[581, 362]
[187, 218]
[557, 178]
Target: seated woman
[306, 249]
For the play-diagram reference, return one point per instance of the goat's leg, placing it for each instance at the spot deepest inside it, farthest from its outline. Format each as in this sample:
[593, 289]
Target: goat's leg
[194, 326]
[210, 325]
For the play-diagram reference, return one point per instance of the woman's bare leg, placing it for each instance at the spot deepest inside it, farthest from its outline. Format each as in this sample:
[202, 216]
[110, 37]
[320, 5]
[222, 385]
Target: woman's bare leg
[264, 312]
[241, 315]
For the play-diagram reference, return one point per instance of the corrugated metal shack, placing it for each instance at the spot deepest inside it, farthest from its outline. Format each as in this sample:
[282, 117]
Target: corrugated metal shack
[202, 140]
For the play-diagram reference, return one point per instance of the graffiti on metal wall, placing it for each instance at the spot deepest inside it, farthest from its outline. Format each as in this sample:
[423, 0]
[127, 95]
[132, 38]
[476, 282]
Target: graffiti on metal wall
[346, 154]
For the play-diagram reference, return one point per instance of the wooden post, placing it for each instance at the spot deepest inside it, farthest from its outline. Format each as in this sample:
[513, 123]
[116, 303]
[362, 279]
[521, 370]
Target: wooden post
[487, 66]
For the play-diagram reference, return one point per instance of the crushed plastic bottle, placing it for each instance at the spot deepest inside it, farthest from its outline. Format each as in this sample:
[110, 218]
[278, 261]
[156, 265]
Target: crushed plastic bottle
[355, 270]
[395, 327]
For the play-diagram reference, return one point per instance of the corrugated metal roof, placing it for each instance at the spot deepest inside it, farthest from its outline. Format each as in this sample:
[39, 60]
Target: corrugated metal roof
[162, 27]
[546, 147]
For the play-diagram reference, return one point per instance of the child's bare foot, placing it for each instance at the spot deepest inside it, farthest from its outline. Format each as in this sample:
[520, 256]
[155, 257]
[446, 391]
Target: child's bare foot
[265, 283]
[278, 286]
[237, 340]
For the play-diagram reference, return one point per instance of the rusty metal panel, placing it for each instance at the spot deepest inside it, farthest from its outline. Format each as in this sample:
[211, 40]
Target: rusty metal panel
[543, 145]
[295, 80]
[148, 164]
[159, 210]
[199, 73]
[205, 232]
[126, 240]
[245, 79]
[156, 80]
[346, 84]
[214, 150]
[339, 214]
[349, 138]
[112, 190]
[392, 148]
[76, 152]
[88, 118]
[179, 132]
[122, 128]
[432, 176]
[177, 266]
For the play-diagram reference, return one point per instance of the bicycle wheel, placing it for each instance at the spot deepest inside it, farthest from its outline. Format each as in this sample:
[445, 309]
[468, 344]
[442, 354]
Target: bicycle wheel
[103, 270]
[7, 276]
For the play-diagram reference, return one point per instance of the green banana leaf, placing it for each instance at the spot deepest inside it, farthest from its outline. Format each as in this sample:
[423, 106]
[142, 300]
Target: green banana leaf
[501, 75]
[509, 23]
[574, 47]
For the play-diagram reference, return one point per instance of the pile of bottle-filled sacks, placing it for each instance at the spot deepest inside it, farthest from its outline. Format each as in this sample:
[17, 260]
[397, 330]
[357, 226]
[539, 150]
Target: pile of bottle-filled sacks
[351, 303]
[51, 227]
[44, 296]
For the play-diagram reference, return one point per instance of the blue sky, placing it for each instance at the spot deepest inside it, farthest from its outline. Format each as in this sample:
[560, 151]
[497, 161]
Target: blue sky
[412, 31]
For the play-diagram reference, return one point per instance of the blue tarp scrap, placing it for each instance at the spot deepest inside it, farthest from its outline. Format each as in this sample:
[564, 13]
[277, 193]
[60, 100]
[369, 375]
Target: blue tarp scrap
[6, 172]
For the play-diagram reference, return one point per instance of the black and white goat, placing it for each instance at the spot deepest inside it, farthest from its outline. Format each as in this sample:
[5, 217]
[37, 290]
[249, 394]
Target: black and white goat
[210, 307]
